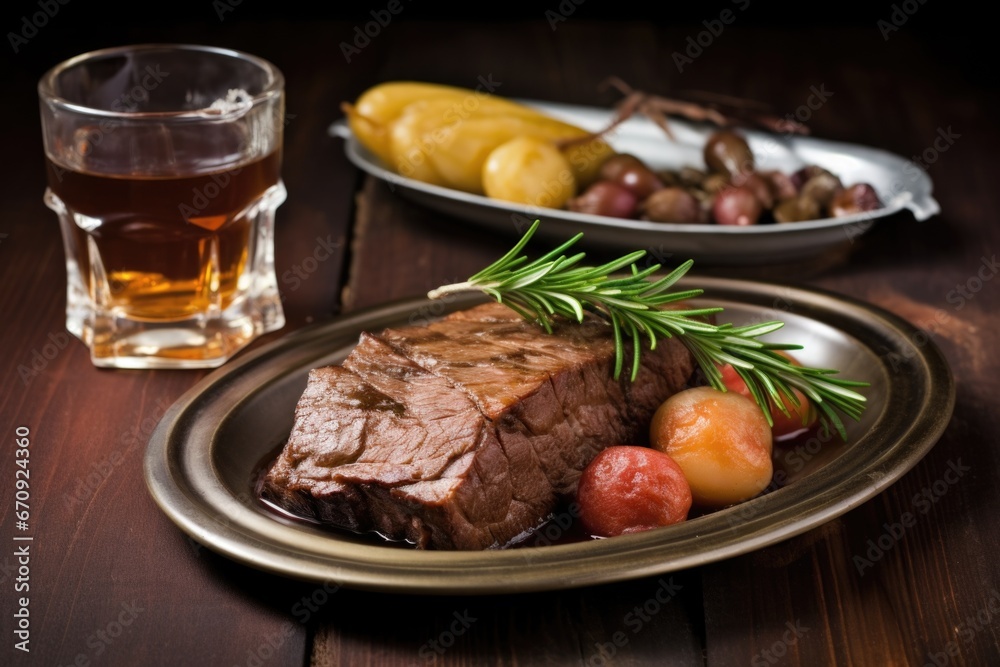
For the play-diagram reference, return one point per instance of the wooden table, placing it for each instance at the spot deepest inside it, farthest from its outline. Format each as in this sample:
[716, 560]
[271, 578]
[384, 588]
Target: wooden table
[114, 582]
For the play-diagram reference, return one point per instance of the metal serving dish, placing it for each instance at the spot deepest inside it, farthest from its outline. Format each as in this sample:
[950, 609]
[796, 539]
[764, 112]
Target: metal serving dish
[202, 457]
[900, 184]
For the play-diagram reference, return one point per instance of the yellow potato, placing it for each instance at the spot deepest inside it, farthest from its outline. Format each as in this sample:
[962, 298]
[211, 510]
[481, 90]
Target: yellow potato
[529, 171]
[443, 134]
[721, 440]
[372, 114]
[586, 159]
[453, 154]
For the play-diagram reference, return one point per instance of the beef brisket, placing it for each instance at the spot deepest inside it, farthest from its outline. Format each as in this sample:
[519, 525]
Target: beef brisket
[464, 434]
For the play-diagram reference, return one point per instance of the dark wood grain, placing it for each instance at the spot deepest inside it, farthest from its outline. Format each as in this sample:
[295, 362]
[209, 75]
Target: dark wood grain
[807, 601]
[101, 543]
[624, 624]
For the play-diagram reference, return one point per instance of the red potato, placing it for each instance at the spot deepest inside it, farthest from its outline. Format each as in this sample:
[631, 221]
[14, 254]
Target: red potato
[759, 186]
[628, 489]
[858, 198]
[728, 152]
[671, 205]
[617, 164]
[605, 198]
[720, 440]
[782, 186]
[737, 205]
[784, 426]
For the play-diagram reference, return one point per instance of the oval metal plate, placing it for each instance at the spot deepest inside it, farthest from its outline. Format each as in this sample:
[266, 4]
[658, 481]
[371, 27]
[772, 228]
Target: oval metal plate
[202, 456]
[900, 184]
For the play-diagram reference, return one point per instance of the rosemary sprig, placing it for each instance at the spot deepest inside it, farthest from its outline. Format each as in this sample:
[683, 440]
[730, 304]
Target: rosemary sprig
[556, 285]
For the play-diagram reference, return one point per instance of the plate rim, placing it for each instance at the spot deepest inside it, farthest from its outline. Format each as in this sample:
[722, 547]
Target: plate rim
[474, 572]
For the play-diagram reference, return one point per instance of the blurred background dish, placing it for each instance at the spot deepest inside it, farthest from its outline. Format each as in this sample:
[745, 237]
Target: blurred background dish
[899, 183]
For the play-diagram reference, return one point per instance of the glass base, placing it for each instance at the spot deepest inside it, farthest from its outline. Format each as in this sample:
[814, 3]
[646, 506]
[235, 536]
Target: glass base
[199, 342]
[124, 304]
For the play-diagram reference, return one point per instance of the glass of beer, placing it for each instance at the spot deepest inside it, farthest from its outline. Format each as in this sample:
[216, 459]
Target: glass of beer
[164, 169]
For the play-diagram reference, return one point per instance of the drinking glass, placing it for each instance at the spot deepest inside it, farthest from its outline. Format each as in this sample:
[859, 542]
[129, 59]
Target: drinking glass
[164, 169]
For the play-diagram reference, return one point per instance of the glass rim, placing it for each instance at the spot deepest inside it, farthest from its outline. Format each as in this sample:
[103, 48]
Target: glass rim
[46, 84]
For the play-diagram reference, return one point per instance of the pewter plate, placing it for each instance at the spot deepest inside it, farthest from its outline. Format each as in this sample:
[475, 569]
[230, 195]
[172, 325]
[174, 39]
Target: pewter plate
[202, 456]
[901, 185]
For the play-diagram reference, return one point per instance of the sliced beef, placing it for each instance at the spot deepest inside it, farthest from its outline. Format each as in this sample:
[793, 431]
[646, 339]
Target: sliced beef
[464, 434]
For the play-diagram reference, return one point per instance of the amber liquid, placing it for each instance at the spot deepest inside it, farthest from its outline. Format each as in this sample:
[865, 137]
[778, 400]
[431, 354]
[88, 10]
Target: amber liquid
[169, 247]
